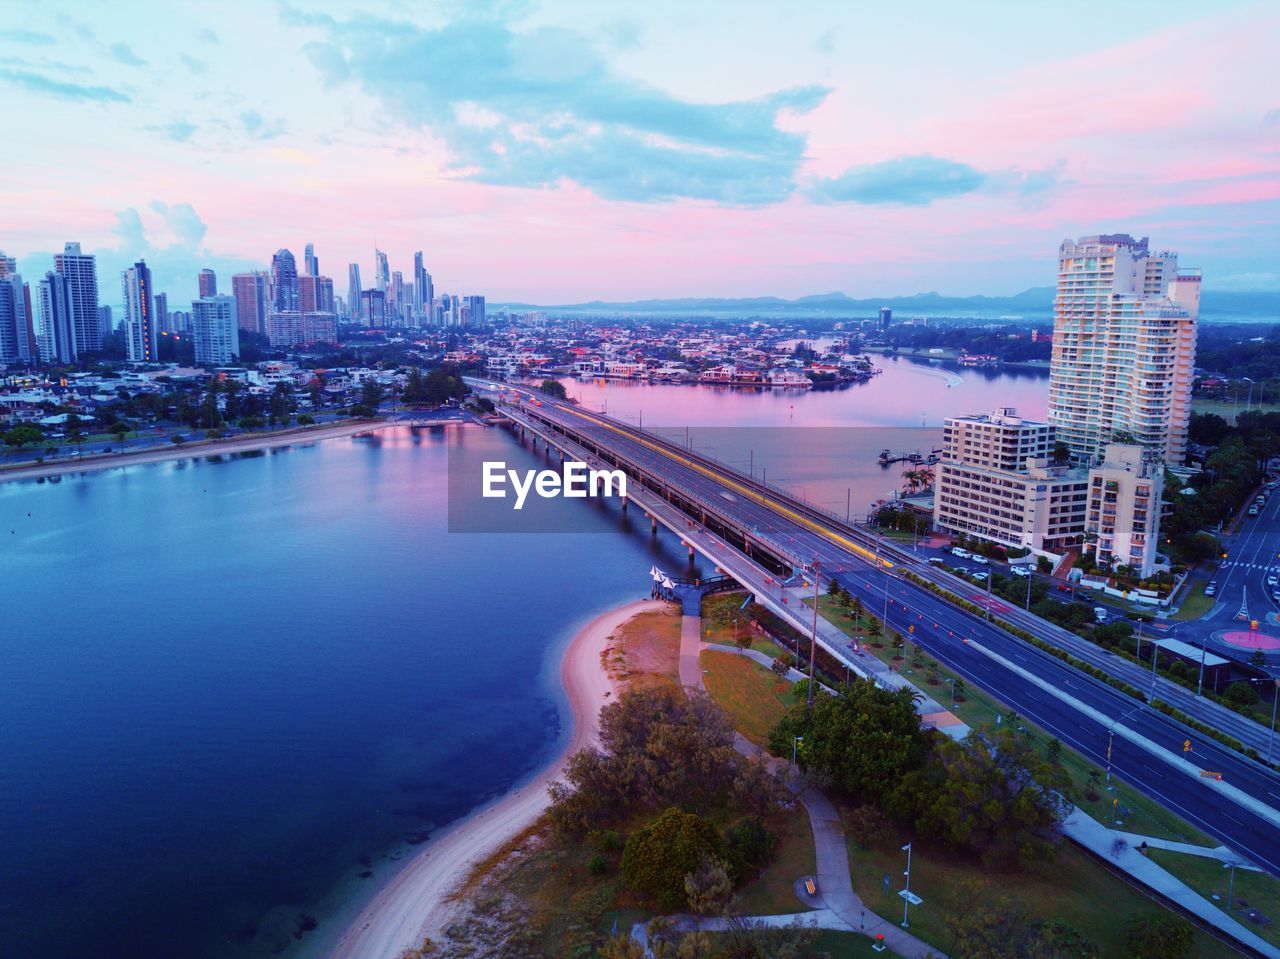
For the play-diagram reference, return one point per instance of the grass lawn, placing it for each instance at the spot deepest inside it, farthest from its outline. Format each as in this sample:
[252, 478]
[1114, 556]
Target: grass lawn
[1194, 604]
[772, 893]
[979, 710]
[752, 695]
[645, 650]
[1250, 891]
[1073, 888]
[1226, 409]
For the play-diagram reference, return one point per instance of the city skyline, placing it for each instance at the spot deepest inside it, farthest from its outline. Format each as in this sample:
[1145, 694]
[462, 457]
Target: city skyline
[560, 153]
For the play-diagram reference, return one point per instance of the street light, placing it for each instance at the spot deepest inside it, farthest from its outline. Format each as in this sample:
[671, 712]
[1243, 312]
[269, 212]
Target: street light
[794, 741]
[908, 897]
[813, 646]
[1111, 736]
[952, 684]
[1231, 883]
[1275, 699]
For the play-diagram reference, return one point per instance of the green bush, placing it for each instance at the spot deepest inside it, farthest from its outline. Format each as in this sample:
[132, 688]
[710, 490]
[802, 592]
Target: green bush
[662, 852]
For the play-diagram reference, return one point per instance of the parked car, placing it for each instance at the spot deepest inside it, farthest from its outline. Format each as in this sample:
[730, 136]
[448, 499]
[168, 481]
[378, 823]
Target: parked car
[981, 577]
[1211, 589]
[1020, 571]
[962, 553]
[935, 561]
[1099, 614]
[1253, 511]
[980, 560]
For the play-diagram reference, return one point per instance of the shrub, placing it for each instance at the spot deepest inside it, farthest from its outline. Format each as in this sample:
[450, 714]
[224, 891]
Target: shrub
[1158, 937]
[598, 864]
[662, 852]
[750, 845]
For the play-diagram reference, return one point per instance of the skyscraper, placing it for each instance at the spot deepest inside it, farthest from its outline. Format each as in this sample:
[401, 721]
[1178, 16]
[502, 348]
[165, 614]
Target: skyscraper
[373, 307]
[315, 294]
[309, 262]
[208, 282]
[81, 271]
[395, 299]
[162, 312]
[140, 331]
[284, 282]
[250, 291]
[886, 319]
[381, 271]
[353, 291]
[17, 334]
[1124, 344]
[419, 285]
[215, 330]
[57, 333]
[8, 265]
[474, 307]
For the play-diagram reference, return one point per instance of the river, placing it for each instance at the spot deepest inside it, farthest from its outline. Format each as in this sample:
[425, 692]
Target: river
[238, 690]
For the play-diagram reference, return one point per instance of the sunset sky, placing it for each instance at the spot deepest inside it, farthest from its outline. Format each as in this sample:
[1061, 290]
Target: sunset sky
[567, 151]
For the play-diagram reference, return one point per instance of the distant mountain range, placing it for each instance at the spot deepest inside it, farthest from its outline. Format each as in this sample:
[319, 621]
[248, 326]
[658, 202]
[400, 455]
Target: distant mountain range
[1036, 302]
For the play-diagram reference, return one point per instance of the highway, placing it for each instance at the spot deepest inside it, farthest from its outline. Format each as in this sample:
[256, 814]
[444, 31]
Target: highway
[1241, 811]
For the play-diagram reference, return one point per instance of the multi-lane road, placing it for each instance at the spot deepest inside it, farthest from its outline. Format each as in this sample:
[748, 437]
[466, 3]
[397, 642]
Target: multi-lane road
[1147, 747]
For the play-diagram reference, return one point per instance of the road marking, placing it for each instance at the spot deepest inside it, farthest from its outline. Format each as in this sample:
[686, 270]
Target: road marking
[1241, 798]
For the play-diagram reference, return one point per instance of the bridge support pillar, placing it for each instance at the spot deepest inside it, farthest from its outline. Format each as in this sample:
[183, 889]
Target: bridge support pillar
[624, 504]
[653, 525]
[690, 551]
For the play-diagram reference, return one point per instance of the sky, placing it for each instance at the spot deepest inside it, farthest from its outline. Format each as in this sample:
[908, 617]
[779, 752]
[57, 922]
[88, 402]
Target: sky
[561, 152]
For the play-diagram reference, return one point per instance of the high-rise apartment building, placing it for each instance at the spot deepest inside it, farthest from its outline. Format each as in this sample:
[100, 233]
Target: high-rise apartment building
[353, 292]
[373, 308]
[208, 283]
[285, 328]
[215, 330]
[17, 332]
[315, 294]
[8, 265]
[250, 291]
[140, 325]
[419, 286]
[81, 272]
[886, 319]
[309, 262]
[381, 271]
[106, 321]
[162, 312]
[57, 329]
[1124, 344]
[284, 282]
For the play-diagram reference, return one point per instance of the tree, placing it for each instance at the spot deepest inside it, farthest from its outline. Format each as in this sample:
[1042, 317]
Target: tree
[661, 853]
[1158, 937]
[780, 667]
[861, 741]
[1241, 695]
[708, 888]
[554, 388]
[998, 798]
[371, 393]
[21, 436]
[869, 826]
[119, 429]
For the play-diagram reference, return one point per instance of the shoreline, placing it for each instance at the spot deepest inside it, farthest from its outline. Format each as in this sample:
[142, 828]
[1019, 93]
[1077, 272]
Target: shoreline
[415, 902]
[236, 444]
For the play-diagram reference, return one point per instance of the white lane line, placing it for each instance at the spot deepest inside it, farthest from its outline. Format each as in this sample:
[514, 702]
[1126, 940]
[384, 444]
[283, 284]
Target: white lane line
[1229, 791]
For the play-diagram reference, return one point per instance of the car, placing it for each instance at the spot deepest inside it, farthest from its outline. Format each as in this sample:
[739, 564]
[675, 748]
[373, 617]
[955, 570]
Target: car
[935, 561]
[961, 570]
[1253, 511]
[962, 553]
[1210, 589]
[980, 560]
[1099, 614]
[1271, 581]
[1020, 571]
[981, 577]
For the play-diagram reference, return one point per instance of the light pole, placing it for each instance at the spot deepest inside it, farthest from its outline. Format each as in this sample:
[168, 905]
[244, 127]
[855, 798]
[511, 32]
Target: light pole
[1155, 661]
[1204, 642]
[1248, 403]
[1030, 577]
[794, 741]
[813, 646]
[906, 892]
[1275, 700]
[1231, 883]
[1111, 737]
[952, 684]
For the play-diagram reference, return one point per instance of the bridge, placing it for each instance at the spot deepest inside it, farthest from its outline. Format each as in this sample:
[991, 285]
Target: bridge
[763, 536]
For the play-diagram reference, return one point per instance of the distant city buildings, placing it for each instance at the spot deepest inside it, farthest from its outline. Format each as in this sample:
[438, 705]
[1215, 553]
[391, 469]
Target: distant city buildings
[215, 330]
[284, 282]
[373, 308]
[886, 319]
[310, 264]
[208, 281]
[17, 331]
[162, 312]
[140, 326]
[353, 292]
[57, 333]
[1124, 343]
[81, 273]
[250, 292]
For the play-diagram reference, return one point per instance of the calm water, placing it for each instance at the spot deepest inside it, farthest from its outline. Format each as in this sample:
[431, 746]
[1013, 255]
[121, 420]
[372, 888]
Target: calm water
[230, 687]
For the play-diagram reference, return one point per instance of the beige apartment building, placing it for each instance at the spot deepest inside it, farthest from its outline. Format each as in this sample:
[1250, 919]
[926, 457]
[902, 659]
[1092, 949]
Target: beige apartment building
[1124, 344]
[997, 481]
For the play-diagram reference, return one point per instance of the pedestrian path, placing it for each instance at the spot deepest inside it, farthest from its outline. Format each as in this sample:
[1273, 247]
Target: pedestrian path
[1117, 849]
[837, 904]
[1221, 853]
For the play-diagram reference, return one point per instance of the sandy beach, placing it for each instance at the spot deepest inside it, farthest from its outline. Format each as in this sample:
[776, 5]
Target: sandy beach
[238, 444]
[414, 904]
